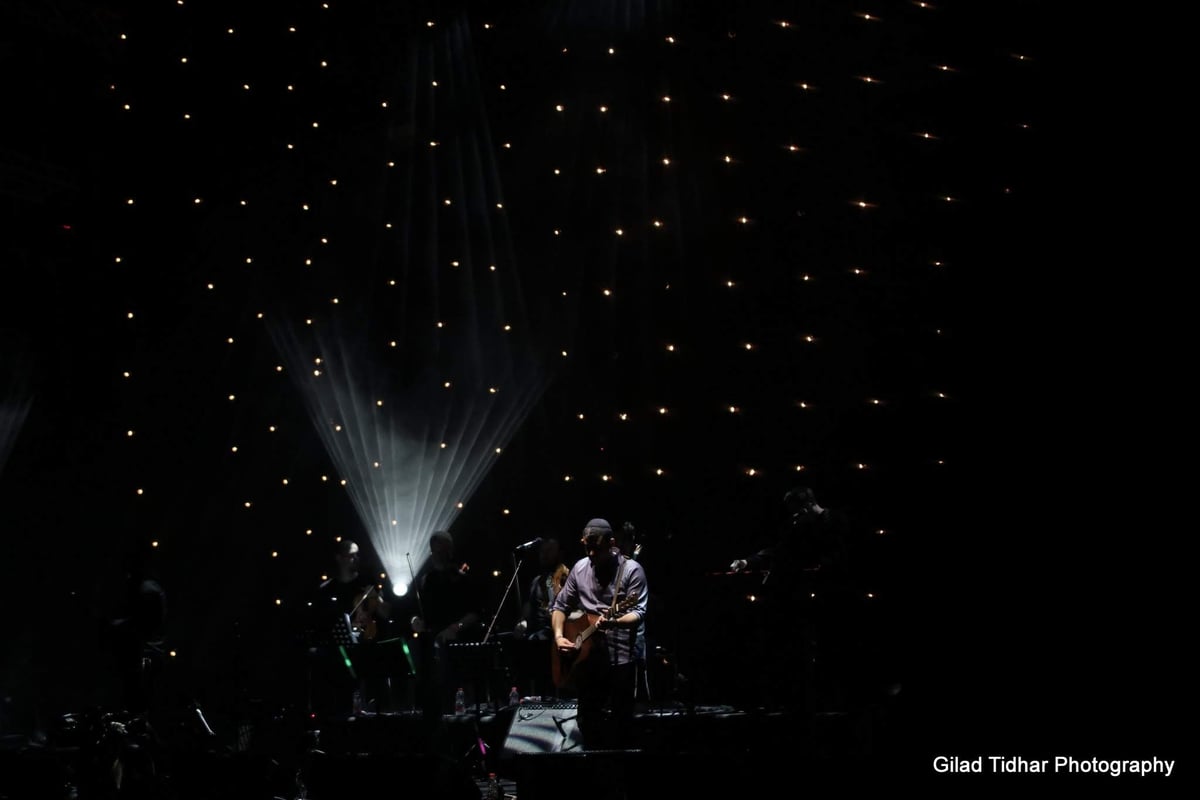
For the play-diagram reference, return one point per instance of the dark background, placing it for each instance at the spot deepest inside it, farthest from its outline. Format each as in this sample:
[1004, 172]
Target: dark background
[1022, 595]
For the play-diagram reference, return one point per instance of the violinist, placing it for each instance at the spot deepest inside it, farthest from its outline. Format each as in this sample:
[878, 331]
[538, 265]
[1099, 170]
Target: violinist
[348, 610]
[347, 593]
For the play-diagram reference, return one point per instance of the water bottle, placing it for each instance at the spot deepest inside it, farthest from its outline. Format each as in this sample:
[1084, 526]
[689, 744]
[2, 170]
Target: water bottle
[460, 702]
[514, 697]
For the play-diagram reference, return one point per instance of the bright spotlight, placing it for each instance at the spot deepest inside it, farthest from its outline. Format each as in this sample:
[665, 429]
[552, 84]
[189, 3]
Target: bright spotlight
[400, 588]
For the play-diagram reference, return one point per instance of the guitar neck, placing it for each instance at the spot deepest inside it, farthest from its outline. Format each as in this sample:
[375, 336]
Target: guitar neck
[614, 612]
[587, 633]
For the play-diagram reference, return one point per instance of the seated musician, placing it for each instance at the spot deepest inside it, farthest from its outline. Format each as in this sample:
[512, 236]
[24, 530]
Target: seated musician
[611, 588]
[545, 586]
[348, 592]
[353, 597]
[532, 667]
[449, 613]
[809, 588]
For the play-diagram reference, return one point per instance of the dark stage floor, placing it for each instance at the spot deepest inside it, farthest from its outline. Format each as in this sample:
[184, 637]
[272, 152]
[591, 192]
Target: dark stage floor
[534, 749]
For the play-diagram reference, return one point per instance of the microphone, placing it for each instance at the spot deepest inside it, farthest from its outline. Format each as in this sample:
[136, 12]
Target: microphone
[532, 543]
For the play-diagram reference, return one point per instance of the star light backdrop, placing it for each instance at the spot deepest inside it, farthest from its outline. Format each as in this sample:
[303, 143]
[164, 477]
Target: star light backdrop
[367, 270]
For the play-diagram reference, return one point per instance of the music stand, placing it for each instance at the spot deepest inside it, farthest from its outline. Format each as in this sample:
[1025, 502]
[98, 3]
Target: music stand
[343, 631]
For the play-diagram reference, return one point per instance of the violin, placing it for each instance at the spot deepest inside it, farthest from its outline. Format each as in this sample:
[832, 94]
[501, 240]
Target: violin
[366, 604]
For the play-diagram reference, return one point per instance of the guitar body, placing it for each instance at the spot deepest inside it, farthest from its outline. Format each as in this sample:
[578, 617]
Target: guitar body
[580, 627]
[564, 667]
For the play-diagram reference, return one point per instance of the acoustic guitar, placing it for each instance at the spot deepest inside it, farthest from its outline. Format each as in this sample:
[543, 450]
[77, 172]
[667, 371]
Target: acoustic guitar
[580, 627]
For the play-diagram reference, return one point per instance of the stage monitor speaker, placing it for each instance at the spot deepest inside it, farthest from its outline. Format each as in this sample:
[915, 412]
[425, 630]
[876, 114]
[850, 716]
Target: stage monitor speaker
[543, 728]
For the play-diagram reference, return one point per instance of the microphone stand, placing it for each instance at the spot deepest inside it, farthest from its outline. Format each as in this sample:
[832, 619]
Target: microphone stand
[487, 637]
[508, 589]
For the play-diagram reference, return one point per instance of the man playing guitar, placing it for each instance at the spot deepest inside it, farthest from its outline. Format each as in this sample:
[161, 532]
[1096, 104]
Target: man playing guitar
[611, 590]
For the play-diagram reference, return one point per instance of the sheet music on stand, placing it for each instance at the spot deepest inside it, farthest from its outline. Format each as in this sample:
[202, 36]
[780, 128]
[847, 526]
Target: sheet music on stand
[343, 631]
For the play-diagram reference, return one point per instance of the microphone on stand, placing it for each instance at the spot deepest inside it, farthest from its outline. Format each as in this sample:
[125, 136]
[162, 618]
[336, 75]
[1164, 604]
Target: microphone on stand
[532, 543]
